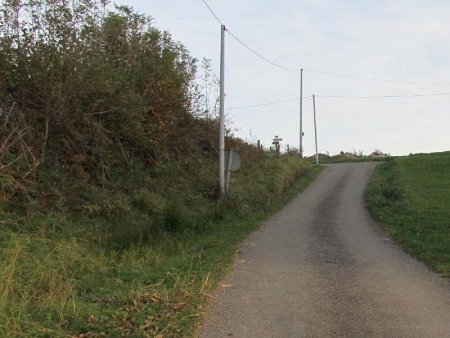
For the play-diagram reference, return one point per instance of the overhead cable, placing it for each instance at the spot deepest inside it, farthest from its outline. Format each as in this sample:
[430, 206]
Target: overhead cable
[247, 46]
[268, 103]
[356, 77]
[382, 96]
[212, 12]
[261, 56]
[374, 79]
[337, 97]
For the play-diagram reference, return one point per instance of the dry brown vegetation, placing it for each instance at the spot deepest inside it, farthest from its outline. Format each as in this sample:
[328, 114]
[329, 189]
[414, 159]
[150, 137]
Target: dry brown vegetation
[92, 89]
[110, 223]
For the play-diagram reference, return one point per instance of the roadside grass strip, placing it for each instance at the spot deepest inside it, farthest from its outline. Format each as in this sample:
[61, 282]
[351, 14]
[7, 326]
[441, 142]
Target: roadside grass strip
[60, 280]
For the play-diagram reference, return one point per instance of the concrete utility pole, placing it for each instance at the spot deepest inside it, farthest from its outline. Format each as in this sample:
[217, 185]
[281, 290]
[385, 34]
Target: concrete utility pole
[222, 113]
[300, 150]
[315, 128]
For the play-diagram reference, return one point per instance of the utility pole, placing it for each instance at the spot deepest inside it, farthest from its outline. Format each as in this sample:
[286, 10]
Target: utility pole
[222, 113]
[315, 128]
[300, 150]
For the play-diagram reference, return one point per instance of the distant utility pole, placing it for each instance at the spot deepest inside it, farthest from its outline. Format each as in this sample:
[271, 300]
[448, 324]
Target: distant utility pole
[315, 128]
[222, 114]
[300, 150]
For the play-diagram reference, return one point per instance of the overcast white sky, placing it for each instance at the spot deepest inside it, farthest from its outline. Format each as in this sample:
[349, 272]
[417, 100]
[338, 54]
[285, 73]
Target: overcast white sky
[404, 40]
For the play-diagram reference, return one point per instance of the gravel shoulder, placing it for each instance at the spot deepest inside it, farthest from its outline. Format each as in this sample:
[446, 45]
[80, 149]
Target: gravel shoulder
[322, 268]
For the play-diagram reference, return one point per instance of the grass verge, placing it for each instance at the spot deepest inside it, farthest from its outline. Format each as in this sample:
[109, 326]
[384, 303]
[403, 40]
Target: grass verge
[60, 276]
[410, 197]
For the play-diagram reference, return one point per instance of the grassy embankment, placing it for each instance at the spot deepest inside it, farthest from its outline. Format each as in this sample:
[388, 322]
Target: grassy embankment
[138, 264]
[110, 217]
[410, 197]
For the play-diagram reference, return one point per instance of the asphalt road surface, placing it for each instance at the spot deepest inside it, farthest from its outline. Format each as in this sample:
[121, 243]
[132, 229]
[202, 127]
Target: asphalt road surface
[322, 268]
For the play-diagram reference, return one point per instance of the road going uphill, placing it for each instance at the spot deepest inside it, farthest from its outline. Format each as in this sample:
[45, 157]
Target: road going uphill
[322, 268]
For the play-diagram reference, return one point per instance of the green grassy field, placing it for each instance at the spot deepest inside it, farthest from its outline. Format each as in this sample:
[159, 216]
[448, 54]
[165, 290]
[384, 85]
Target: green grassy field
[63, 275]
[410, 197]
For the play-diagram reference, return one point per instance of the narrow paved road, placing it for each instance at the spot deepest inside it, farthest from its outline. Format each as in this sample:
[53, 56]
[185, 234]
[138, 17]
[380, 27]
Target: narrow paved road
[322, 268]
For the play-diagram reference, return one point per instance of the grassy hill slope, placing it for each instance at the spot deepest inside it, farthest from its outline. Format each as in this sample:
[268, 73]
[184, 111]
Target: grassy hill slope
[410, 197]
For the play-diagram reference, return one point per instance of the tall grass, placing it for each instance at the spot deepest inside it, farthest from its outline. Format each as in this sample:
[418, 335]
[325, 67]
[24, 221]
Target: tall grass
[37, 281]
[95, 273]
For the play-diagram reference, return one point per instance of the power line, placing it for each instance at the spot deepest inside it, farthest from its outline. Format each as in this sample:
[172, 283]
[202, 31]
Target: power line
[374, 79]
[263, 104]
[336, 97]
[268, 103]
[247, 46]
[261, 56]
[382, 96]
[212, 12]
[356, 77]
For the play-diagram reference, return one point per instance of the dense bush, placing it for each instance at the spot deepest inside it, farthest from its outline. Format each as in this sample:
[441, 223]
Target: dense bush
[101, 116]
[94, 90]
